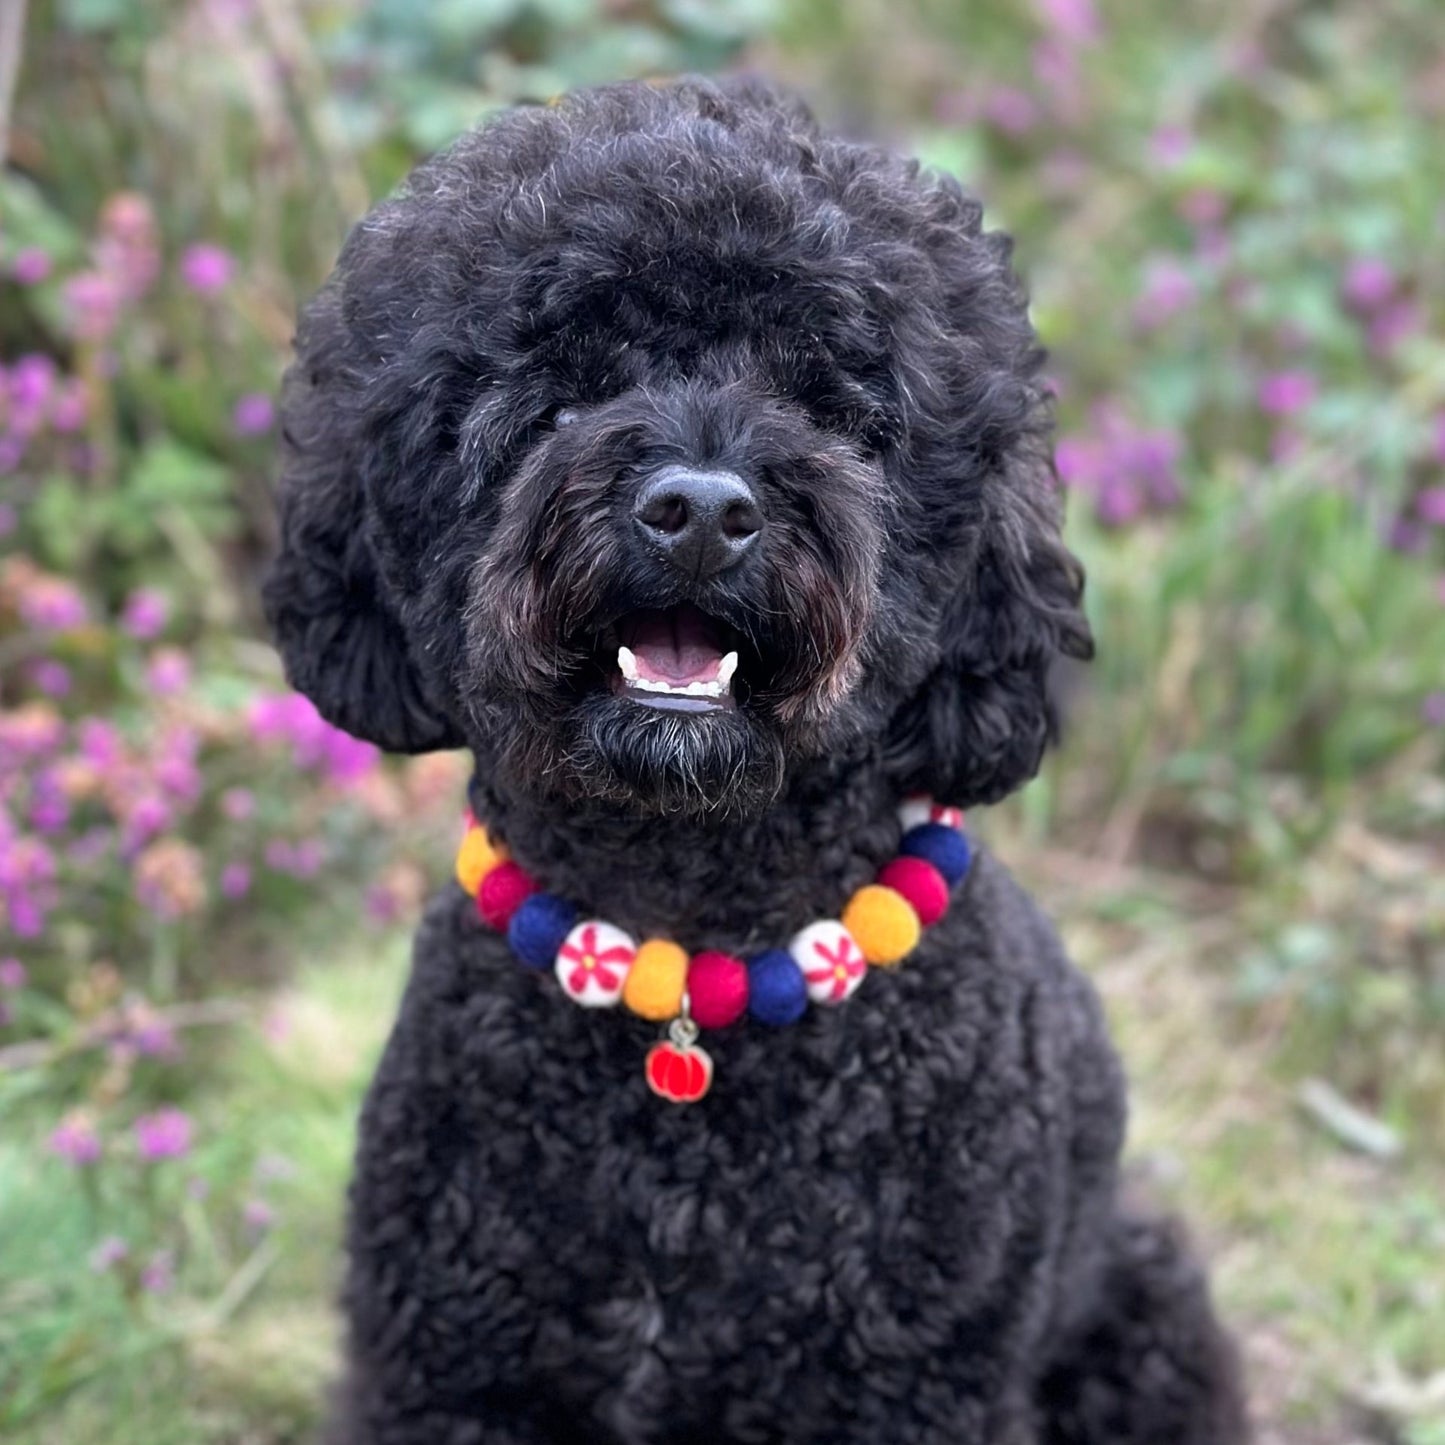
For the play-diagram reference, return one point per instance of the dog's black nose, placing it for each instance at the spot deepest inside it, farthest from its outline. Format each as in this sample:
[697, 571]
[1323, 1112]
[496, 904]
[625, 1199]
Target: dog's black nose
[702, 522]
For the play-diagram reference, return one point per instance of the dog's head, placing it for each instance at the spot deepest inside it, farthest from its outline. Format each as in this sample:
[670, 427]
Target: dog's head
[651, 443]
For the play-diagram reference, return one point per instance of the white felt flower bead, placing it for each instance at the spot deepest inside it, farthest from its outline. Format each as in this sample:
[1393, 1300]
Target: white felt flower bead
[918, 809]
[832, 963]
[593, 961]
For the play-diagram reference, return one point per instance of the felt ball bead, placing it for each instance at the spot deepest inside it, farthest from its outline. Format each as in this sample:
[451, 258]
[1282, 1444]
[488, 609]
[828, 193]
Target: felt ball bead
[593, 963]
[946, 848]
[921, 884]
[656, 980]
[777, 990]
[477, 856]
[504, 889]
[919, 808]
[717, 989]
[884, 925]
[539, 928]
[831, 962]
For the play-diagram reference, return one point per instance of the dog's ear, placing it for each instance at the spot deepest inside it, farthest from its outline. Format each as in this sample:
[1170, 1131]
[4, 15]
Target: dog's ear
[978, 726]
[334, 623]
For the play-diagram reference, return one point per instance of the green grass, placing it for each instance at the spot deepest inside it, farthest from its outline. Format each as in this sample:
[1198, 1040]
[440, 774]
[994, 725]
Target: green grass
[1326, 1261]
[241, 1350]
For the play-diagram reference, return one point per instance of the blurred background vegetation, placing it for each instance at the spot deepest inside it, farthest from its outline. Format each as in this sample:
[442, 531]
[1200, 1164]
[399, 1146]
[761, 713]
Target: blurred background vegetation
[1230, 214]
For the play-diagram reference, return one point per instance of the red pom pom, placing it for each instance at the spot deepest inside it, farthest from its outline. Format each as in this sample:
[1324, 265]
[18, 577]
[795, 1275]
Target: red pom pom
[921, 884]
[503, 891]
[717, 989]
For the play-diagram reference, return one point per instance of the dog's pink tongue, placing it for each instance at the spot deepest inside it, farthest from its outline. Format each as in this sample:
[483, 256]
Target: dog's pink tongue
[675, 646]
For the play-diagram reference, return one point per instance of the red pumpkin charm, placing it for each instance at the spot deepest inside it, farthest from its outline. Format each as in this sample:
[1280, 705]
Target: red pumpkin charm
[680, 1074]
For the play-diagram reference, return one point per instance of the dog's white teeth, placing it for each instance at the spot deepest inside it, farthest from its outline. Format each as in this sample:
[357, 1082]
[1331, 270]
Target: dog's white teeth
[726, 668]
[627, 662]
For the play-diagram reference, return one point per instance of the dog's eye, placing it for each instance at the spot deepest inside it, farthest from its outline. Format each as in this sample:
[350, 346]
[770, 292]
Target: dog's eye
[563, 416]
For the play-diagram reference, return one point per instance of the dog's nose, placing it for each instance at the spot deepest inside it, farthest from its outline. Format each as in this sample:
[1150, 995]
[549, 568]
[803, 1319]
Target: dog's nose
[702, 522]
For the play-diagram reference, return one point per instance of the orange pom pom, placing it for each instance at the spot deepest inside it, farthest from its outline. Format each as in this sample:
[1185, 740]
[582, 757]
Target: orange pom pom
[477, 856]
[656, 980]
[883, 924]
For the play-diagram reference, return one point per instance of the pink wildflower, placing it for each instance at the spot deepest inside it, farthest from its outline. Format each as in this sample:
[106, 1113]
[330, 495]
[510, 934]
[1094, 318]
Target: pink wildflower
[145, 614]
[165, 1134]
[12, 973]
[1367, 284]
[1430, 504]
[207, 268]
[92, 301]
[253, 415]
[74, 1139]
[235, 880]
[1286, 392]
[30, 266]
[168, 671]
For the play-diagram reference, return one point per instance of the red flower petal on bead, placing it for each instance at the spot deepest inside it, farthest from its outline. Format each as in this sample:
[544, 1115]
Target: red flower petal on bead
[717, 989]
[921, 885]
[502, 893]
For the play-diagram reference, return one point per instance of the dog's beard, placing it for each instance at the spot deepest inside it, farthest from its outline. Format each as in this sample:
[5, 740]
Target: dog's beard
[646, 761]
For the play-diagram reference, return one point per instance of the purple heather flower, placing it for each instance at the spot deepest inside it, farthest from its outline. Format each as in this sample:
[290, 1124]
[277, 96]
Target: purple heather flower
[1010, 110]
[51, 604]
[12, 973]
[1393, 324]
[1433, 710]
[128, 247]
[100, 743]
[74, 1139]
[70, 407]
[1430, 504]
[253, 415]
[235, 880]
[92, 301]
[382, 904]
[1168, 290]
[168, 671]
[1286, 392]
[148, 815]
[1367, 284]
[258, 1215]
[159, 1275]
[307, 857]
[165, 1134]
[207, 268]
[1074, 21]
[50, 677]
[31, 385]
[289, 717]
[30, 266]
[238, 803]
[1169, 145]
[1202, 207]
[108, 1253]
[145, 614]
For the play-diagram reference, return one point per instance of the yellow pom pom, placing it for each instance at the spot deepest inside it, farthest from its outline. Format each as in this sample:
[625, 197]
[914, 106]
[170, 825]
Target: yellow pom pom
[882, 923]
[656, 980]
[477, 856]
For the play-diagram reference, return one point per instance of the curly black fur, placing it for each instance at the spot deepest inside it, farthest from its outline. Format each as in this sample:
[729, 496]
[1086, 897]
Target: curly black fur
[894, 1221]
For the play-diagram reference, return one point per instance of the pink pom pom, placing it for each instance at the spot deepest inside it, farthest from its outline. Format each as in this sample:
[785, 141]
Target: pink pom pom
[717, 989]
[502, 893]
[921, 885]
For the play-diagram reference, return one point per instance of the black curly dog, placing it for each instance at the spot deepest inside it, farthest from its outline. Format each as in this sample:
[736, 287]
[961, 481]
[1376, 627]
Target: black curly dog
[897, 1220]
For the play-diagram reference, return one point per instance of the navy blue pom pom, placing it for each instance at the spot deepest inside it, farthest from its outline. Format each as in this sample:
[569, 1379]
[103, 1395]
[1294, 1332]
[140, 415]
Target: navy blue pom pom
[946, 848]
[777, 992]
[539, 928]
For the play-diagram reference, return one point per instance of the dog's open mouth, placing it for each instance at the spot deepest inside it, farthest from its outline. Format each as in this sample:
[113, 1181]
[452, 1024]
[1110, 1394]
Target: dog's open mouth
[677, 658]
